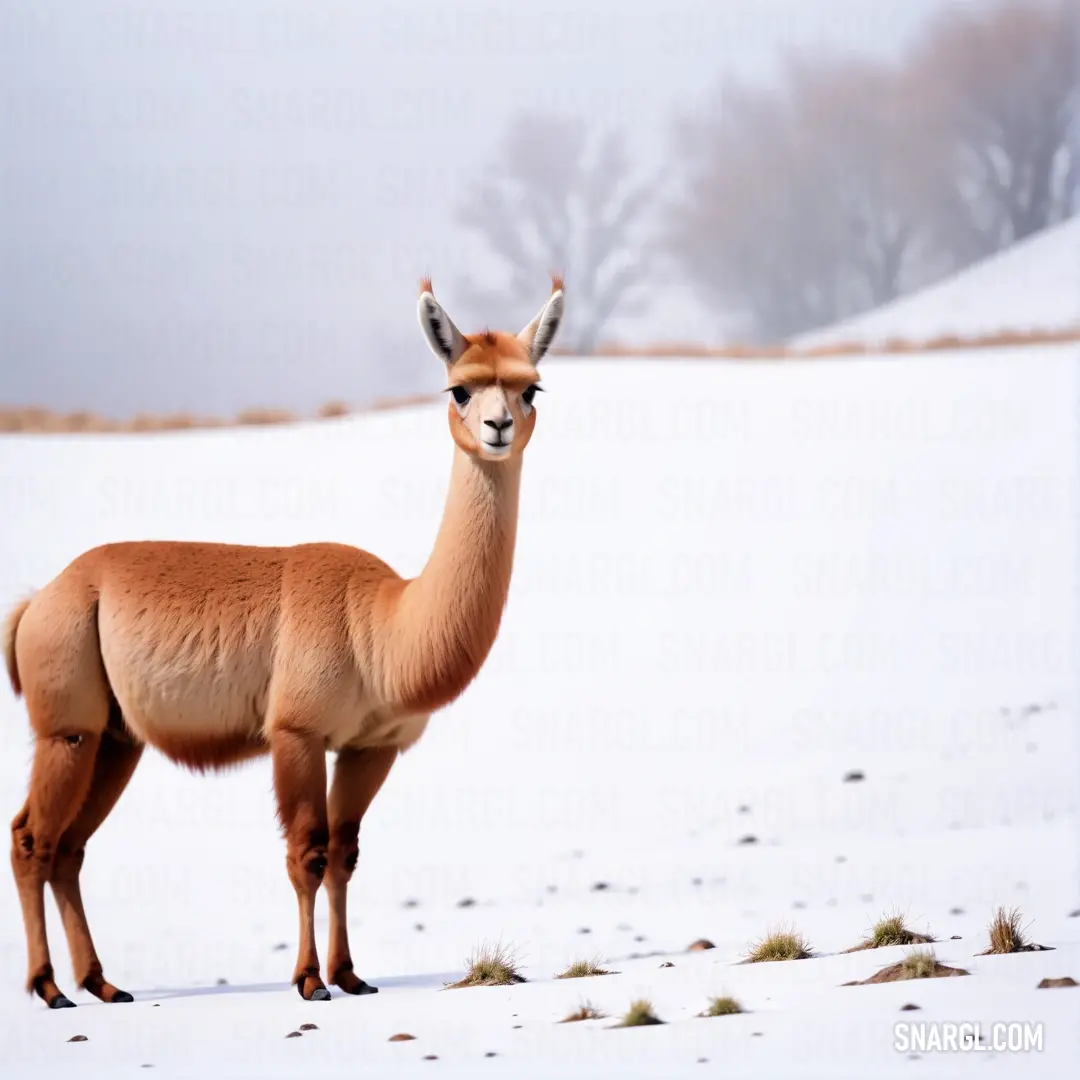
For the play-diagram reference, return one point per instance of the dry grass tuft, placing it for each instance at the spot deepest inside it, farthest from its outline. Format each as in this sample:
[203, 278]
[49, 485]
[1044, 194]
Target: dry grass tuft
[584, 969]
[640, 1014]
[585, 1011]
[1006, 934]
[918, 964]
[490, 965]
[779, 944]
[403, 402]
[891, 930]
[145, 422]
[257, 417]
[838, 348]
[722, 1006]
[33, 419]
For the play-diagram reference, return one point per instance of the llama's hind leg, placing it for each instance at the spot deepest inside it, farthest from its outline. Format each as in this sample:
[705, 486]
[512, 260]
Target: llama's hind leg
[59, 781]
[358, 776]
[113, 768]
[299, 759]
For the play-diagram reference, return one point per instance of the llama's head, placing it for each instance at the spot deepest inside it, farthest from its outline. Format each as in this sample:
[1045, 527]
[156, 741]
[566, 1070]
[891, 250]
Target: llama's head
[491, 377]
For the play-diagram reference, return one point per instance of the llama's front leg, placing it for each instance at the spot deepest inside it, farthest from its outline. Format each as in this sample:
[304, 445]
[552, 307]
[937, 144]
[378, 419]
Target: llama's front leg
[299, 759]
[358, 775]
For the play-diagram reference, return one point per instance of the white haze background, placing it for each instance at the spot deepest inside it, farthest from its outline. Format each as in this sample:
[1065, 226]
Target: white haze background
[211, 206]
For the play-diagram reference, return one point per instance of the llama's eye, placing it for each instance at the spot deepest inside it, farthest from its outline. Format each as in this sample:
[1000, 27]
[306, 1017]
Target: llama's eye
[461, 395]
[529, 394]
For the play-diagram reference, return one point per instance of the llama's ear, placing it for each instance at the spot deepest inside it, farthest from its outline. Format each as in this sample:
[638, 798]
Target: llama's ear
[540, 333]
[442, 335]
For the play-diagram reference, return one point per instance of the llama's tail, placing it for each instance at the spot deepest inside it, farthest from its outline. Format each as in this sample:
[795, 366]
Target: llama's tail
[11, 626]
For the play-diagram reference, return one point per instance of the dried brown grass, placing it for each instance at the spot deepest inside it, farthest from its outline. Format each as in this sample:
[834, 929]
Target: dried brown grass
[1007, 935]
[640, 1014]
[33, 419]
[722, 1006]
[584, 969]
[404, 402]
[259, 416]
[918, 964]
[840, 347]
[891, 930]
[585, 1011]
[777, 945]
[490, 965]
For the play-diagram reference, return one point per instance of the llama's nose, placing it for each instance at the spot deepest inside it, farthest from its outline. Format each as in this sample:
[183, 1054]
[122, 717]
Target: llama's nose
[500, 425]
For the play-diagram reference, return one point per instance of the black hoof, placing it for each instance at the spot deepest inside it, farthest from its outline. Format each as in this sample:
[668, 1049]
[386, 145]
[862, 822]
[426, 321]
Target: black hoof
[61, 1002]
[320, 994]
[121, 997]
[367, 988]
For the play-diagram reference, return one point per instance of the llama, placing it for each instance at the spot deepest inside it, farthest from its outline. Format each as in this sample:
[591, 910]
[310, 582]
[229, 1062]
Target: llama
[215, 653]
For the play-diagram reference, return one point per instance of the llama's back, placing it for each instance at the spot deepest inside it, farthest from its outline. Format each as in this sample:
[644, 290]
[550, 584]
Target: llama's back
[195, 641]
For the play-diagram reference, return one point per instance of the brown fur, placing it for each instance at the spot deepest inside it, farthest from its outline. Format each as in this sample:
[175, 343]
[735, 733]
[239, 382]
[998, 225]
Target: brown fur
[11, 625]
[214, 653]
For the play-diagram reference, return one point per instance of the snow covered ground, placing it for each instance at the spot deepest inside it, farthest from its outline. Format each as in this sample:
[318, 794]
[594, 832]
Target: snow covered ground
[735, 584]
[1034, 285]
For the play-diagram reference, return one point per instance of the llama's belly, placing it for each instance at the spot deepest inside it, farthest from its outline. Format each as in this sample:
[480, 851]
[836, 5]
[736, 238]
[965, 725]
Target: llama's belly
[407, 729]
[397, 730]
[173, 705]
[366, 724]
[197, 712]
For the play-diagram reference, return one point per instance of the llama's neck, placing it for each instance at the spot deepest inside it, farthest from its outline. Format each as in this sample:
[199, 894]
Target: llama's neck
[446, 619]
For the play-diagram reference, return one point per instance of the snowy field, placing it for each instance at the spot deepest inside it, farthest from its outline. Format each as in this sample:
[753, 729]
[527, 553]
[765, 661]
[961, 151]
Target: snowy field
[735, 584]
[1034, 285]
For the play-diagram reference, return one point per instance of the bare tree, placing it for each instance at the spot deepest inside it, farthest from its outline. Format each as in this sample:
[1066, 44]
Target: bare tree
[802, 201]
[880, 174]
[560, 198]
[1000, 91]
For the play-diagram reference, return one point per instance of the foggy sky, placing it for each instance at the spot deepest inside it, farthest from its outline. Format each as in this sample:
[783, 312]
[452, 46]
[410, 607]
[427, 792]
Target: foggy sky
[208, 206]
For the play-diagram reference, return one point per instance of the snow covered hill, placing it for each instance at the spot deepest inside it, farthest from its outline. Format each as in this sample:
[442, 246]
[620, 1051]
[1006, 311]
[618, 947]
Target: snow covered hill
[736, 586]
[1034, 285]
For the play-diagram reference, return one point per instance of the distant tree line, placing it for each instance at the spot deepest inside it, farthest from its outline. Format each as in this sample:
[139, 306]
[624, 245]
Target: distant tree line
[794, 204]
